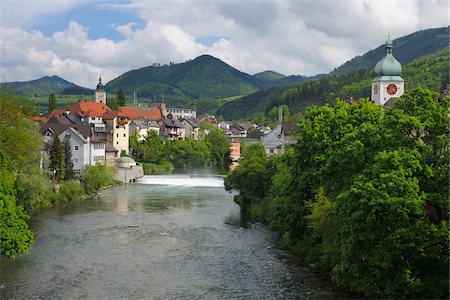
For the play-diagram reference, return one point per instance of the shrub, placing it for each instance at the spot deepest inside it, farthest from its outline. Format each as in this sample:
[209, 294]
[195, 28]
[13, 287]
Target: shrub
[97, 177]
[70, 190]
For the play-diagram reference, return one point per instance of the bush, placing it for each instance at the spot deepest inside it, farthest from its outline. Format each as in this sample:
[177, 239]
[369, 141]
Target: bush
[70, 190]
[34, 191]
[97, 177]
[165, 167]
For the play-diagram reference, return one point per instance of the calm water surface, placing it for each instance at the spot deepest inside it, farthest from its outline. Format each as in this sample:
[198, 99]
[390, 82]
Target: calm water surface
[166, 237]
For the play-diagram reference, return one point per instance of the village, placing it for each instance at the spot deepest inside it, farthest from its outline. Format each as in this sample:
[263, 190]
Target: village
[99, 134]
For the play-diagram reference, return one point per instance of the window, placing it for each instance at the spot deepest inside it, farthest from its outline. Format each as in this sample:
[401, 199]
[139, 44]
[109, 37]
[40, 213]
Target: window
[117, 126]
[117, 135]
[76, 148]
[271, 151]
[48, 133]
[117, 143]
[124, 135]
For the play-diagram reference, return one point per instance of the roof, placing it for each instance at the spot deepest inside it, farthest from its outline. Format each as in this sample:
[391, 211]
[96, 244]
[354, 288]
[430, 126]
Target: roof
[55, 112]
[144, 123]
[192, 121]
[134, 113]
[274, 138]
[65, 118]
[91, 109]
[110, 149]
[83, 129]
[126, 160]
[290, 128]
[40, 119]
[110, 115]
[173, 123]
[388, 65]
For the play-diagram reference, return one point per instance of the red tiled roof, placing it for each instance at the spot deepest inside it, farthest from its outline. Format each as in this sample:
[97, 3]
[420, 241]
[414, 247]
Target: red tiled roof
[134, 113]
[39, 119]
[91, 109]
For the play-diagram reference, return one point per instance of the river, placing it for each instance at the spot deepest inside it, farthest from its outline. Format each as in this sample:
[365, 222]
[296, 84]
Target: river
[165, 237]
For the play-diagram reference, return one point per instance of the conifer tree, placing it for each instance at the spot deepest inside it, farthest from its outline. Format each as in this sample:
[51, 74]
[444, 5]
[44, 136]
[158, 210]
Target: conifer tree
[57, 159]
[51, 102]
[68, 163]
[120, 98]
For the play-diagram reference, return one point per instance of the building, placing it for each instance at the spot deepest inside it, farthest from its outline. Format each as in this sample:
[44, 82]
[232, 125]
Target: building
[388, 85]
[100, 93]
[191, 128]
[141, 127]
[85, 150]
[235, 150]
[184, 113]
[117, 131]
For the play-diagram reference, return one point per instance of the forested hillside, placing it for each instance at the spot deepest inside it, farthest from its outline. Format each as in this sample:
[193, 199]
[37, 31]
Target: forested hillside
[45, 86]
[203, 77]
[407, 48]
[430, 71]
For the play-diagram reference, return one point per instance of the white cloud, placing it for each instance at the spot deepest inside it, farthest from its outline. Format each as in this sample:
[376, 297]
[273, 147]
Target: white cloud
[288, 36]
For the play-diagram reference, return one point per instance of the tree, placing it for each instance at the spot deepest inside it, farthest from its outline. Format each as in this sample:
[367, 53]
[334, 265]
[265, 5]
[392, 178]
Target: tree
[112, 103]
[218, 145]
[19, 137]
[57, 159]
[68, 163]
[15, 237]
[150, 150]
[52, 102]
[120, 98]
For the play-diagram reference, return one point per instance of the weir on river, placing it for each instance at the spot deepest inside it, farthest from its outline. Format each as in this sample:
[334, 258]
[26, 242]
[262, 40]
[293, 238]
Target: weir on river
[165, 237]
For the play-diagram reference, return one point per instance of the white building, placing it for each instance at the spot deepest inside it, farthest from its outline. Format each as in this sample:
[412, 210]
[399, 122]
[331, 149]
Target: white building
[183, 113]
[85, 150]
[388, 84]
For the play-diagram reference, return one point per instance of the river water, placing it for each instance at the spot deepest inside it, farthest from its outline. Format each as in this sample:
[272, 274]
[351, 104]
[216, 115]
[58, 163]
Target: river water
[165, 237]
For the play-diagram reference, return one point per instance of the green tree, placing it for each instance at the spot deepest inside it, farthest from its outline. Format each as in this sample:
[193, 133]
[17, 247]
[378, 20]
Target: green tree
[15, 237]
[57, 159]
[218, 145]
[68, 163]
[149, 150]
[97, 177]
[52, 104]
[14, 127]
[112, 103]
[120, 98]
[187, 153]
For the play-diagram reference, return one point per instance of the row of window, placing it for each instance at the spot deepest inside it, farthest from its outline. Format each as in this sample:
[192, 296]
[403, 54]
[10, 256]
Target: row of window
[124, 135]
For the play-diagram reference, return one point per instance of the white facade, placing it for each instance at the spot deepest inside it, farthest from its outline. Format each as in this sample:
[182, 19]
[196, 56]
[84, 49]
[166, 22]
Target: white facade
[118, 134]
[385, 88]
[184, 113]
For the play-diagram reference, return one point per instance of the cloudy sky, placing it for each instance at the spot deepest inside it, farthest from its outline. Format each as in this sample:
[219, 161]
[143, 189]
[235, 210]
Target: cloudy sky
[80, 39]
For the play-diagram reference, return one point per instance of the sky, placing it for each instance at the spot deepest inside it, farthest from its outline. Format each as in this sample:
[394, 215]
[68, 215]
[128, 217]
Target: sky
[79, 40]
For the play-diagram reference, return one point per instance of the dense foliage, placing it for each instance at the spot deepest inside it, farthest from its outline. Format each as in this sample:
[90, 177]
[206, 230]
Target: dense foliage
[97, 177]
[363, 194]
[158, 154]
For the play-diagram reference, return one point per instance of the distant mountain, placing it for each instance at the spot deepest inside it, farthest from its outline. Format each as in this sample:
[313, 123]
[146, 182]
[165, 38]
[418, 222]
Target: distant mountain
[203, 77]
[45, 86]
[269, 76]
[406, 49]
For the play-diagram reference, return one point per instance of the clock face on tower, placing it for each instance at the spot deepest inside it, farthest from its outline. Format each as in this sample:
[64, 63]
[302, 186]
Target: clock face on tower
[391, 89]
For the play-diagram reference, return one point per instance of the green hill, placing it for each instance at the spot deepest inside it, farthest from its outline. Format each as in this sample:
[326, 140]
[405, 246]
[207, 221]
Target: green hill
[45, 86]
[406, 49]
[203, 77]
[430, 71]
[268, 75]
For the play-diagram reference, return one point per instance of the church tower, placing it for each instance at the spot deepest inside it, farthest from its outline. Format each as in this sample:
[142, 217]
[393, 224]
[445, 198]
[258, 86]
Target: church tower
[100, 93]
[388, 84]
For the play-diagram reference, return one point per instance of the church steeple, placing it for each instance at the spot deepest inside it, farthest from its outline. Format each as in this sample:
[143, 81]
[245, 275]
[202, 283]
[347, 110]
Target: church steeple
[388, 84]
[100, 93]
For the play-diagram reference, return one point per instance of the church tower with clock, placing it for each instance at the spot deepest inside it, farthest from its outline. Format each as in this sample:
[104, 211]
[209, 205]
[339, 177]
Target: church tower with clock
[100, 93]
[388, 83]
